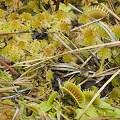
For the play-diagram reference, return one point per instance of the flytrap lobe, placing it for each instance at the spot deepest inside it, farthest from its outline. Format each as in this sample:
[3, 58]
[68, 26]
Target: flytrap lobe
[74, 92]
[97, 12]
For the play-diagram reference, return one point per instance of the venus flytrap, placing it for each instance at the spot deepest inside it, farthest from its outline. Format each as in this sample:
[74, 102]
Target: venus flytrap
[99, 108]
[72, 110]
[25, 9]
[74, 92]
[44, 106]
[79, 98]
[105, 27]
[51, 98]
[34, 107]
[79, 112]
[89, 95]
[47, 105]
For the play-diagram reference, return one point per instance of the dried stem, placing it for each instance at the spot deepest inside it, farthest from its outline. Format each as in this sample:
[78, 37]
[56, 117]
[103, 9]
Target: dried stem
[60, 112]
[8, 88]
[15, 72]
[106, 45]
[18, 32]
[110, 11]
[57, 5]
[59, 39]
[112, 7]
[17, 113]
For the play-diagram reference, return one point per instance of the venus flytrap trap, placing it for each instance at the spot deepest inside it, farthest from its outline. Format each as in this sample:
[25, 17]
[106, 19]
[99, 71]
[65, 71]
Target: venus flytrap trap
[51, 98]
[72, 110]
[89, 95]
[25, 9]
[79, 98]
[44, 106]
[96, 12]
[97, 109]
[34, 107]
[74, 92]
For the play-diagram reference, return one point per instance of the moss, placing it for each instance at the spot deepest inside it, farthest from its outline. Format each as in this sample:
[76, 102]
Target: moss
[26, 18]
[109, 101]
[2, 13]
[116, 82]
[48, 51]
[9, 113]
[105, 53]
[62, 26]
[3, 117]
[116, 30]
[67, 58]
[13, 16]
[15, 25]
[118, 10]
[115, 94]
[49, 75]
[90, 37]
[83, 19]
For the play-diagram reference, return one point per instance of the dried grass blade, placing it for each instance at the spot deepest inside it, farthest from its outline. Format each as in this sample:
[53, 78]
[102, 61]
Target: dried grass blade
[104, 118]
[86, 24]
[60, 112]
[14, 82]
[19, 109]
[65, 65]
[60, 40]
[71, 73]
[110, 11]
[3, 108]
[32, 76]
[106, 45]
[65, 69]
[8, 88]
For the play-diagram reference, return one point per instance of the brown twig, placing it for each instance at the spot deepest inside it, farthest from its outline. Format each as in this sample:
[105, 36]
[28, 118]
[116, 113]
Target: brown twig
[115, 106]
[57, 5]
[15, 72]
